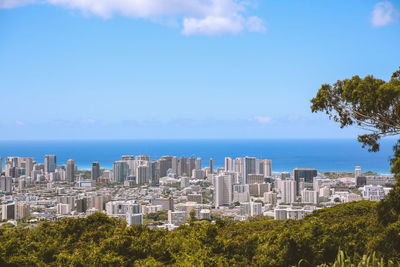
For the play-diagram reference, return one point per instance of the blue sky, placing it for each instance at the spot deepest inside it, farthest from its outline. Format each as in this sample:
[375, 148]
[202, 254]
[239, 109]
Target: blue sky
[78, 69]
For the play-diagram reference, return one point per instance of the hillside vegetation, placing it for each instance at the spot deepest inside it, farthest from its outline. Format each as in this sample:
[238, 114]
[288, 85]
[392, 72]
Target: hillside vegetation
[100, 240]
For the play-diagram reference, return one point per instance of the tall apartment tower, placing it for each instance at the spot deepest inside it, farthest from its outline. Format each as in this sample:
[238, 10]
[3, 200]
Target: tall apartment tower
[120, 171]
[50, 163]
[143, 174]
[238, 165]
[131, 163]
[357, 171]
[211, 166]
[6, 184]
[267, 167]
[223, 190]
[191, 166]
[95, 170]
[182, 166]
[249, 167]
[228, 164]
[198, 164]
[70, 170]
[165, 163]
[1, 165]
[288, 191]
[28, 166]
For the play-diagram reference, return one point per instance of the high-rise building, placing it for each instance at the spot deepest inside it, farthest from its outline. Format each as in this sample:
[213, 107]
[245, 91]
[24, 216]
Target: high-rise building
[143, 174]
[6, 184]
[357, 171]
[28, 162]
[130, 160]
[249, 167]
[70, 170]
[238, 165]
[1, 165]
[155, 172]
[11, 162]
[228, 164]
[81, 205]
[95, 170]
[182, 167]
[50, 163]
[307, 174]
[223, 190]
[23, 210]
[165, 164]
[288, 191]
[191, 166]
[267, 167]
[120, 171]
[211, 166]
[198, 164]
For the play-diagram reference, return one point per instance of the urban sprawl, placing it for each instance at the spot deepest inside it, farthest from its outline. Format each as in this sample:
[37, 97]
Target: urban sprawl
[169, 191]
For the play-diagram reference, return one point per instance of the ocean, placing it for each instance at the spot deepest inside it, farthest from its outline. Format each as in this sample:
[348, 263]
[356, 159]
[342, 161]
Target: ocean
[322, 154]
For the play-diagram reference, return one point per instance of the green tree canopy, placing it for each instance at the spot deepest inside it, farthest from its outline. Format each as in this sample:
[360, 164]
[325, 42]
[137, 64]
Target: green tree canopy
[369, 103]
[373, 105]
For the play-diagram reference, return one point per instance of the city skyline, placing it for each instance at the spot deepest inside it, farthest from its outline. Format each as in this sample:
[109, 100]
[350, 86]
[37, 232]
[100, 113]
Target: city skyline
[110, 74]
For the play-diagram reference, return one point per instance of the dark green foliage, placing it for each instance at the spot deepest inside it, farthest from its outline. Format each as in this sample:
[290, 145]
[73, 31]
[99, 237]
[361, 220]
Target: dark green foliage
[99, 240]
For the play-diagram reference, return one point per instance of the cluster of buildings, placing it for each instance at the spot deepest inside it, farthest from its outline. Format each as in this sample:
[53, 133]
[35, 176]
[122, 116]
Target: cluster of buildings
[168, 191]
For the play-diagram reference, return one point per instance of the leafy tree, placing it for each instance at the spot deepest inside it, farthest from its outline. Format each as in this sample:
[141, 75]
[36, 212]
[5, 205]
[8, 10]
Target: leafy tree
[373, 105]
[369, 103]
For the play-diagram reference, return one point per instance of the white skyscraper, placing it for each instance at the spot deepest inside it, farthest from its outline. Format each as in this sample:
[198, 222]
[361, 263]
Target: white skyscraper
[228, 164]
[143, 173]
[238, 165]
[357, 171]
[267, 167]
[288, 191]
[28, 166]
[223, 190]
[130, 160]
[120, 171]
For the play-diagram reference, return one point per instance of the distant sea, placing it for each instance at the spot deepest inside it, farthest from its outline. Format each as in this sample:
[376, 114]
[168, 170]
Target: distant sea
[322, 154]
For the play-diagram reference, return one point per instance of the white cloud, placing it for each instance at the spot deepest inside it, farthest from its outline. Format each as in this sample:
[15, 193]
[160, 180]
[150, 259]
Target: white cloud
[384, 13]
[14, 3]
[205, 17]
[19, 123]
[262, 119]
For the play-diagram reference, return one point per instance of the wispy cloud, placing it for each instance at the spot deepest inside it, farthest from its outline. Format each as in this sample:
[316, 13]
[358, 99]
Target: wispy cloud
[203, 17]
[384, 14]
[262, 119]
[19, 123]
